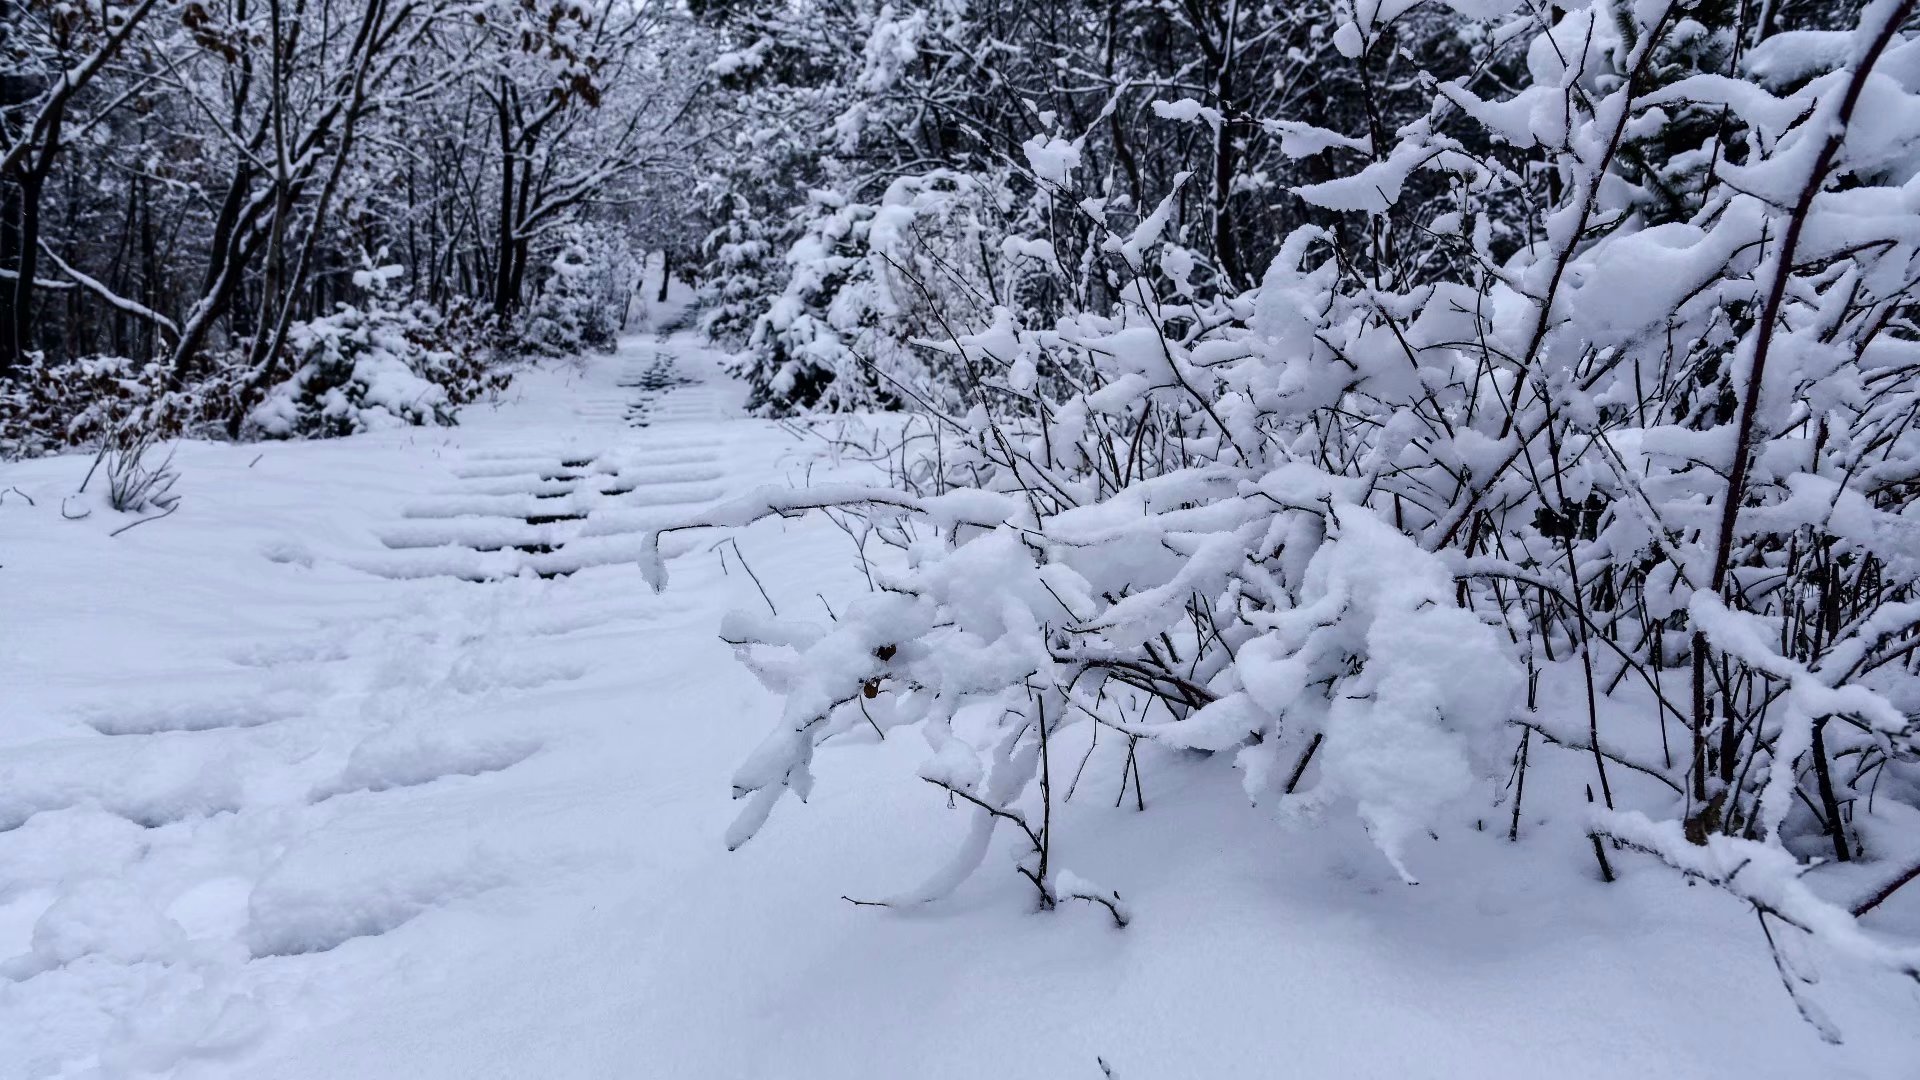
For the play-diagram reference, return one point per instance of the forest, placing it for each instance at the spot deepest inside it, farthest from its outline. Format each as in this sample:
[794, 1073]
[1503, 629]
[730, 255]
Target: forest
[1482, 435]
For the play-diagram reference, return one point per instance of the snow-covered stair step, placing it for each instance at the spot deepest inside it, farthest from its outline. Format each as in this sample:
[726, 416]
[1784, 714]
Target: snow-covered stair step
[671, 472]
[529, 485]
[478, 533]
[536, 453]
[690, 493]
[666, 486]
[547, 469]
[650, 456]
[496, 533]
[509, 505]
[479, 566]
[648, 444]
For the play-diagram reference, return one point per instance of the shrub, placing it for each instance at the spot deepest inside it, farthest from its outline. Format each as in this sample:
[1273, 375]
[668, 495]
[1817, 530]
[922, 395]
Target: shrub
[1524, 447]
[46, 408]
[363, 369]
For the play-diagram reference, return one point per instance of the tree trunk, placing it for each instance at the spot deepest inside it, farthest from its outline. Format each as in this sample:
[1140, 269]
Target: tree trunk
[20, 332]
[503, 294]
[30, 182]
[10, 352]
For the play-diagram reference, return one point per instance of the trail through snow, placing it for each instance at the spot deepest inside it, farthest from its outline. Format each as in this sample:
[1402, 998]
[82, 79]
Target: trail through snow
[379, 760]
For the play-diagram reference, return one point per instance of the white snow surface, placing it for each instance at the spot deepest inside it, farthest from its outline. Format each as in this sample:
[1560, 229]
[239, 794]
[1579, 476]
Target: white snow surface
[321, 777]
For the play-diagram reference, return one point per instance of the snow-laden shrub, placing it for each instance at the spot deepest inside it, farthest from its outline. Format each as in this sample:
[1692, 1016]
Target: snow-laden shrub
[359, 369]
[1342, 638]
[46, 408]
[363, 369]
[1634, 478]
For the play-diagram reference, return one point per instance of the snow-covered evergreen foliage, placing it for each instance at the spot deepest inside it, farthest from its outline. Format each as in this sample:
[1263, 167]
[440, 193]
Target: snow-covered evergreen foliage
[579, 306]
[363, 369]
[864, 281]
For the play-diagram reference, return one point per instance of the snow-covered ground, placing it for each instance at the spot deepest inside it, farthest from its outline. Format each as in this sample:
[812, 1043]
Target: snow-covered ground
[378, 759]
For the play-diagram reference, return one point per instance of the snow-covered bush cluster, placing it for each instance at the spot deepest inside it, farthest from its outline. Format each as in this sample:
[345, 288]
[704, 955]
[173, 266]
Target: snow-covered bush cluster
[1574, 410]
[358, 369]
[46, 407]
[362, 369]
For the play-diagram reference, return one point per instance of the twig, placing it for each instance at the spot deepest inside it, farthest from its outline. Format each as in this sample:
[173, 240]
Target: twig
[1880, 896]
[1113, 909]
[742, 556]
[168, 512]
[1306, 756]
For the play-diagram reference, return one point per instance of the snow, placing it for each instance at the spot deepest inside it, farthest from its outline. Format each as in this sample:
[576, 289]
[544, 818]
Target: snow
[739, 60]
[283, 794]
[1052, 158]
[1187, 110]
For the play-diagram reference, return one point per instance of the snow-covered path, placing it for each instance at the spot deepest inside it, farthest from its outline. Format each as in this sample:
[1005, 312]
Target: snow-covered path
[379, 760]
[249, 749]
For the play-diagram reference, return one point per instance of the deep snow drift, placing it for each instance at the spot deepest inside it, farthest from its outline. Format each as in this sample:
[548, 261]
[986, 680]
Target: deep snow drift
[378, 759]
